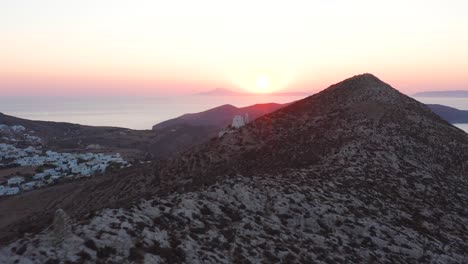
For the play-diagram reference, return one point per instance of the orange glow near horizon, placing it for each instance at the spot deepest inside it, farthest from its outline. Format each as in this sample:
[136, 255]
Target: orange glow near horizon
[121, 47]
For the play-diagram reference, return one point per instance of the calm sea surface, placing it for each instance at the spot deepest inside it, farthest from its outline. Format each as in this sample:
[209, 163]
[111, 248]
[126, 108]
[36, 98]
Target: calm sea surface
[135, 113]
[143, 113]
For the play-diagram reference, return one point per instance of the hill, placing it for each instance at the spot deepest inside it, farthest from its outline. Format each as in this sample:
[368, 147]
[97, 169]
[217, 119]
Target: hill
[62, 136]
[358, 173]
[219, 117]
[450, 114]
[132, 144]
[178, 134]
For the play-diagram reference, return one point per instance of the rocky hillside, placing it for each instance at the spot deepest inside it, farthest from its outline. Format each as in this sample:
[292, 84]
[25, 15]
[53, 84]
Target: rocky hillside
[358, 173]
[352, 120]
[290, 218]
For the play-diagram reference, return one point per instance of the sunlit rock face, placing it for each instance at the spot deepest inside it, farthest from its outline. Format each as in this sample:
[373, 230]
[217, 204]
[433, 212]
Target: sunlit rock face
[358, 173]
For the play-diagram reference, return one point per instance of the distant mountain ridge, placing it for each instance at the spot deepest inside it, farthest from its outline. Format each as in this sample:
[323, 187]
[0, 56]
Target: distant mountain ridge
[454, 93]
[451, 114]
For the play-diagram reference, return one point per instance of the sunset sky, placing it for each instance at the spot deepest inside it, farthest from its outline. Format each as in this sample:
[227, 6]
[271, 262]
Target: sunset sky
[102, 47]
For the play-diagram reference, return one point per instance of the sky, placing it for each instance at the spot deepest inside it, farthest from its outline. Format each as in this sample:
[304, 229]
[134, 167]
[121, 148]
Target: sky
[152, 47]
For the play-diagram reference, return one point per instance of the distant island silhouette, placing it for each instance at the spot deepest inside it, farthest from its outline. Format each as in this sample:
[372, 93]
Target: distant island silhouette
[453, 93]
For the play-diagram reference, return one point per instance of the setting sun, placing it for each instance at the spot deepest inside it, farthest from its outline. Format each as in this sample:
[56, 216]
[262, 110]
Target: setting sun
[262, 83]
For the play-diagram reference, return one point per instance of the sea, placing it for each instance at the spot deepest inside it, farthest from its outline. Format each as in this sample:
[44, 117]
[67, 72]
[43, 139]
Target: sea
[128, 112]
[144, 112]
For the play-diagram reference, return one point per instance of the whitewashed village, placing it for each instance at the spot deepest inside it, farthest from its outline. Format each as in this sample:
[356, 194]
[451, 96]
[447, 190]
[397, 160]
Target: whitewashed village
[26, 165]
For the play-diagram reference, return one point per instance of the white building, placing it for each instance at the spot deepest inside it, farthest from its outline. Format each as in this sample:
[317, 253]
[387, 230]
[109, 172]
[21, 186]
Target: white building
[238, 121]
[29, 185]
[39, 176]
[15, 180]
[18, 128]
[51, 172]
[30, 150]
[9, 191]
[56, 177]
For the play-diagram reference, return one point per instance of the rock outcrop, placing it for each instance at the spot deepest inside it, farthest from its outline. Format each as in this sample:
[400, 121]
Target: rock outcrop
[60, 229]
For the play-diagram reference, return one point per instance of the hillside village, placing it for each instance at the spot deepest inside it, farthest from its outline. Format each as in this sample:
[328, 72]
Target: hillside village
[20, 148]
[26, 163]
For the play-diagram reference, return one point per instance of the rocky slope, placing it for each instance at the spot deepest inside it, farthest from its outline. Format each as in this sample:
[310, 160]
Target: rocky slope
[358, 173]
[290, 218]
[351, 120]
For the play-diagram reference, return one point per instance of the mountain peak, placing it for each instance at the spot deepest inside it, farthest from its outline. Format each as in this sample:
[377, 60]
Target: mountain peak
[308, 131]
[365, 76]
[363, 88]
[362, 82]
